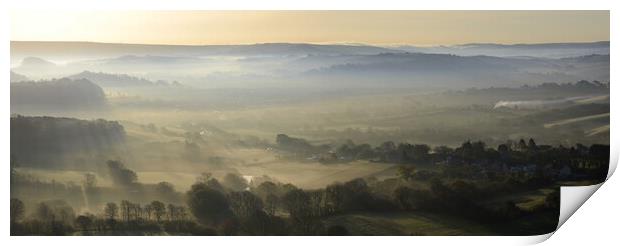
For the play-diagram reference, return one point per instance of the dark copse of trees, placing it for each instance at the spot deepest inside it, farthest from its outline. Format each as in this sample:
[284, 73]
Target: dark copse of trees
[298, 145]
[120, 174]
[58, 94]
[208, 205]
[49, 142]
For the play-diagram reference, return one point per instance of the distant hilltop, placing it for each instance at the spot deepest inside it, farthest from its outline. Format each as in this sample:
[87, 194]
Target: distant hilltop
[547, 50]
[57, 50]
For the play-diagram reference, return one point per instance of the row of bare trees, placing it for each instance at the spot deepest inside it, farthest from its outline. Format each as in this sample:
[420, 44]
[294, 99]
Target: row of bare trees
[154, 211]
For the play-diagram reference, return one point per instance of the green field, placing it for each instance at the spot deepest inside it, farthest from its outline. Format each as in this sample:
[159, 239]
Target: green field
[406, 223]
[524, 200]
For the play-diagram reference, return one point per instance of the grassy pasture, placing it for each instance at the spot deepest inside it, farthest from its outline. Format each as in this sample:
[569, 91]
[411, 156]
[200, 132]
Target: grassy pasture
[406, 223]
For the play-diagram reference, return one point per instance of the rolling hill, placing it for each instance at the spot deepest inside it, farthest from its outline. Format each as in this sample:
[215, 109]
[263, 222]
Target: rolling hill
[61, 95]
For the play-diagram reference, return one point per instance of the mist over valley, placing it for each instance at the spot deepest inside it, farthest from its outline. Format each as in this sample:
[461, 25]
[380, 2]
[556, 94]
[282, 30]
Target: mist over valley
[303, 139]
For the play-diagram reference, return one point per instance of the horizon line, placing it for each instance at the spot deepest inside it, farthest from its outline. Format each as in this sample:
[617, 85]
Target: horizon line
[315, 43]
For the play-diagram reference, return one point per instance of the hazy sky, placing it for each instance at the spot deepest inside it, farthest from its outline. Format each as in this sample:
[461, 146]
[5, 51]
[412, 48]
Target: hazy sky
[371, 27]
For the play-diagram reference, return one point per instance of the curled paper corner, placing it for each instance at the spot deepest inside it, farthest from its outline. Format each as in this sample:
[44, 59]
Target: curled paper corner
[573, 197]
[537, 239]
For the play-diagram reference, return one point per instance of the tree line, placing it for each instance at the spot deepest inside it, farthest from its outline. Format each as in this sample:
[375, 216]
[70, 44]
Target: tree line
[273, 208]
[463, 186]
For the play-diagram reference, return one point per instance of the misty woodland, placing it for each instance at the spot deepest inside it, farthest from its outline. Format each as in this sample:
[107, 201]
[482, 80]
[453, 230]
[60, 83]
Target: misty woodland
[303, 138]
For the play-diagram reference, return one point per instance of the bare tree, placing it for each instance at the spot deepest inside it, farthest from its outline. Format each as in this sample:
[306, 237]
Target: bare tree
[148, 211]
[125, 210]
[111, 211]
[159, 209]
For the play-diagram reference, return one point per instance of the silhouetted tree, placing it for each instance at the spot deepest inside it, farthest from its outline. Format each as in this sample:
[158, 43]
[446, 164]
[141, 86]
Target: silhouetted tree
[84, 221]
[164, 187]
[159, 210]
[148, 210]
[167, 192]
[126, 210]
[209, 206]
[172, 212]
[120, 174]
[111, 211]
